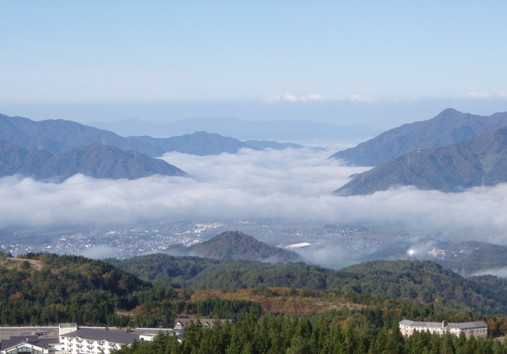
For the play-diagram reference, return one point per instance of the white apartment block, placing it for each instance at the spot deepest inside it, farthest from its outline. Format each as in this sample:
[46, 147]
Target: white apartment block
[76, 340]
[477, 329]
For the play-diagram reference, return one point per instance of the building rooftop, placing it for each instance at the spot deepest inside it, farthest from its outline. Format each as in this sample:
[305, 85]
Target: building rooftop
[34, 340]
[468, 325]
[110, 335]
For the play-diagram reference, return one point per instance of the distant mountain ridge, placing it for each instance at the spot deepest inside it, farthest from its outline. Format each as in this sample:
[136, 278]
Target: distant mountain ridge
[97, 161]
[56, 135]
[54, 150]
[447, 128]
[283, 130]
[454, 168]
[466, 258]
[237, 245]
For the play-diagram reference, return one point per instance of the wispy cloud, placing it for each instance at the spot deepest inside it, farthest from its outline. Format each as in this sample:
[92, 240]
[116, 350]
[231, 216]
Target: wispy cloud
[316, 97]
[482, 95]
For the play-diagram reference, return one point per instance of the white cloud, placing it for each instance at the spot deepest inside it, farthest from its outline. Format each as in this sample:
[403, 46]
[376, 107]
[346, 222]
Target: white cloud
[360, 98]
[316, 97]
[290, 97]
[481, 95]
[266, 184]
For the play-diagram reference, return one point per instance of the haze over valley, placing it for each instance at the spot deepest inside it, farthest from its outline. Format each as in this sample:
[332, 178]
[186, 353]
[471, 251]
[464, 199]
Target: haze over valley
[282, 196]
[270, 177]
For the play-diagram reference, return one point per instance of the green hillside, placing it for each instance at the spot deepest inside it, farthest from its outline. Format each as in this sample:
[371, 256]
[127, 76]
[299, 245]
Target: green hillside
[237, 245]
[414, 281]
[46, 288]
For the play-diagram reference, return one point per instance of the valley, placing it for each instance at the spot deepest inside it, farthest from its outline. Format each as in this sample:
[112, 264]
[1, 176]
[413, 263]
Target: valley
[196, 177]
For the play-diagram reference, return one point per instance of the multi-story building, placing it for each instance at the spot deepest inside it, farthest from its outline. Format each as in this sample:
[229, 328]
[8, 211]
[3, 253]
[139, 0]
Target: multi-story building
[76, 340]
[28, 344]
[73, 339]
[477, 329]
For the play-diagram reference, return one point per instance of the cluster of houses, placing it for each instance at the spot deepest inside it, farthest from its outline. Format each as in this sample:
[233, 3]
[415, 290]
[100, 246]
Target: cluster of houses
[477, 329]
[73, 339]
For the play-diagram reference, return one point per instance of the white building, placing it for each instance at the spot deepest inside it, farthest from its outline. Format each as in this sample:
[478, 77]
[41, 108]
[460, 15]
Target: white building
[28, 344]
[73, 339]
[76, 340]
[477, 329]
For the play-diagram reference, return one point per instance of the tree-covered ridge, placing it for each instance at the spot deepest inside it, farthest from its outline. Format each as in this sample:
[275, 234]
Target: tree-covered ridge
[72, 273]
[416, 281]
[425, 282]
[48, 289]
[237, 245]
[165, 270]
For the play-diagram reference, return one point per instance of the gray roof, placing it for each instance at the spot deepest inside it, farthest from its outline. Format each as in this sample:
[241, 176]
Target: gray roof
[110, 335]
[33, 340]
[468, 325]
[460, 325]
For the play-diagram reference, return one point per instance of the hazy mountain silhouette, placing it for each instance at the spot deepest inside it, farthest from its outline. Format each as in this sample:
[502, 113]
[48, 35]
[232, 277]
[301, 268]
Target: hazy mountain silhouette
[447, 128]
[284, 130]
[98, 161]
[454, 168]
[58, 135]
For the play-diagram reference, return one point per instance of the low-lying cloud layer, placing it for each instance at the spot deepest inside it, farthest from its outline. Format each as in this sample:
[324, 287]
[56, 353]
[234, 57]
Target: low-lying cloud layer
[250, 184]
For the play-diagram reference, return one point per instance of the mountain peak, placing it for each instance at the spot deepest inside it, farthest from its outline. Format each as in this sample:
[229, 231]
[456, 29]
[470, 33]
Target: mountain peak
[449, 111]
[237, 245]
[448, 127]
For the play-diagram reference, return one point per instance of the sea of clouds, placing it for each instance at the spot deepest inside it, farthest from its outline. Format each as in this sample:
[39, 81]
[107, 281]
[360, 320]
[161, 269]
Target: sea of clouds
[292, 183]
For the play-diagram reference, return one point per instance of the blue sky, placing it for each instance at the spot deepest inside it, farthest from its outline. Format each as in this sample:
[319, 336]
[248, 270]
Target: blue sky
[375, 62]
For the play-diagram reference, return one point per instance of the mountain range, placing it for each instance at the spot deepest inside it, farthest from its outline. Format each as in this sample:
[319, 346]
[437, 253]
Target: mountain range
[57, 135]
[283, 130]
[481, 161]
[97, 161]
[53, 150]
[477, 159]
[447, 128]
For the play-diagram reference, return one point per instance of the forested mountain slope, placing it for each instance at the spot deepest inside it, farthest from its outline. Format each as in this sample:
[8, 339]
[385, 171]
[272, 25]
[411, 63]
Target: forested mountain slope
[237, 245]
[422, 282]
